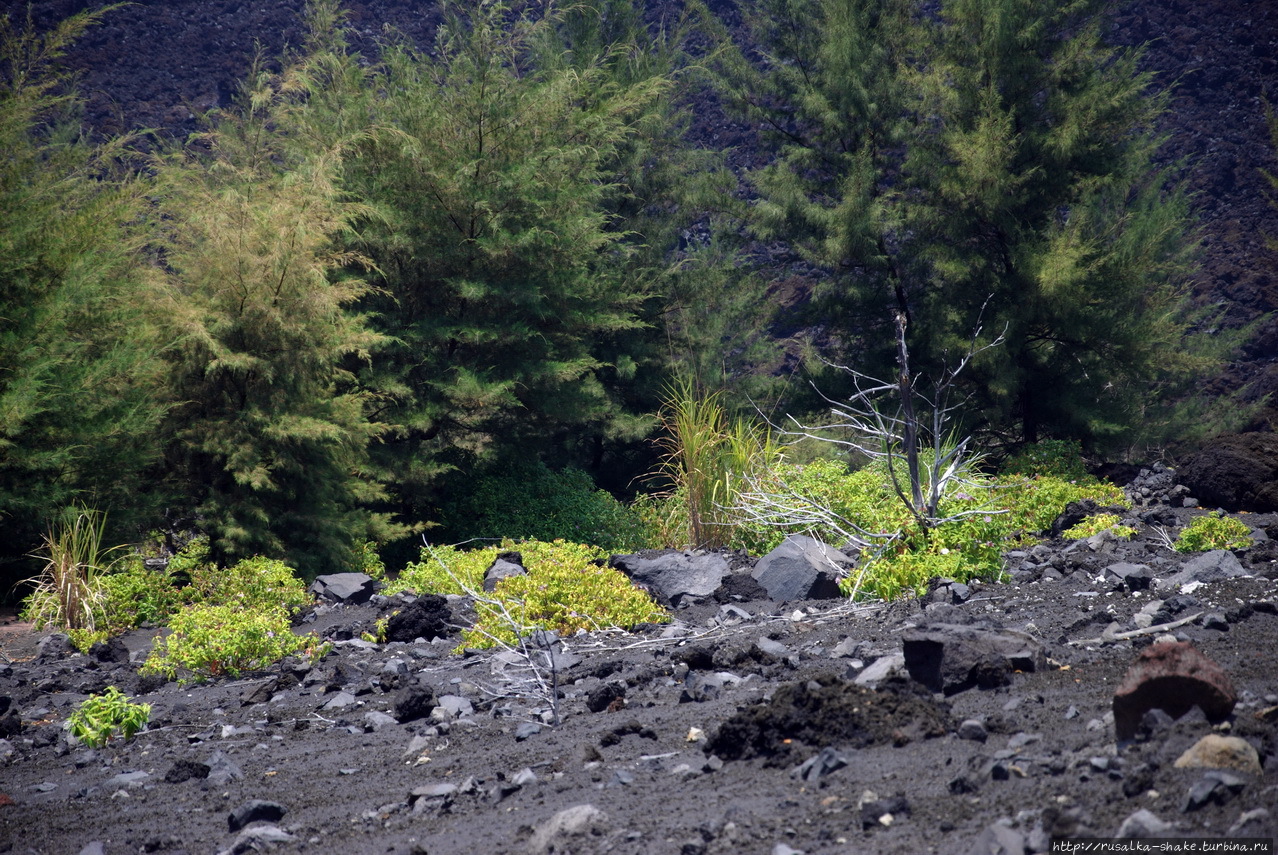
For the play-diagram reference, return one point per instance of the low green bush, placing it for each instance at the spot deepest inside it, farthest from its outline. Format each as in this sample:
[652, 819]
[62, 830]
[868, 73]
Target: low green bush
[565, 590]
[1213, 531]
[101, 718]
[226, 640]
[444, 570]
[985, 517]
[250, 584]
[1094, 525]
[529, 501]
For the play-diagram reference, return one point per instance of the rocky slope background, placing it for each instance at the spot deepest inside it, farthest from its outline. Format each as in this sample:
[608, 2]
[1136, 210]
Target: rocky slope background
[160, 63]
[1111, 688]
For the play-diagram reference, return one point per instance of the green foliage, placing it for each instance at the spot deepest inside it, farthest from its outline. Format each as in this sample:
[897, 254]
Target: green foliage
[445, 570]
[528, 501]
[990, 165]
[1098, 523]
[68, 593]
[980, 522]
[1213, 531]
[368, 561]
[272, 425]
[100, 718]
[251, 584]
[565, 590]
[501, 276]
[136, 594]
[378, 634]
[1060, 458]
[81, 382]
[226, 640]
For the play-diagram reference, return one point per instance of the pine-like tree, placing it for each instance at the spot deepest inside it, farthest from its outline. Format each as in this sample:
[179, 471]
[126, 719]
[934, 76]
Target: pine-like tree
[502, 271]
[80, 372]
[982, 164]
[273, 433]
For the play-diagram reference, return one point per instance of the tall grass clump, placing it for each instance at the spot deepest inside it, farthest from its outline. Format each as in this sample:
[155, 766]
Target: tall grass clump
[68, 593]
[708, 459]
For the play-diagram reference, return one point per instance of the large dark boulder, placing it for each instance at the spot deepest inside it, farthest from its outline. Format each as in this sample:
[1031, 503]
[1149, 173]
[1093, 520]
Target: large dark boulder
[802, 568]
[426, 617]
[1237, 472]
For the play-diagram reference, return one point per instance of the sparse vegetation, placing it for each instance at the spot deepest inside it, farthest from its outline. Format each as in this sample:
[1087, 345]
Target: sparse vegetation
[1096, 524]
[101, 718]
[1213, 531]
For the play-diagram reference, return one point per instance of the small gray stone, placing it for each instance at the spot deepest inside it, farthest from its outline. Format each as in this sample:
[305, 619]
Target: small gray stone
[222, 770]
[974, 730]
[881, 669]
[375, 720]
[132, 780]
[340, 701]
[526, 729]
[1215, 620]
[699, 687]
[557, 834]
[998, 839]
[1142, 823]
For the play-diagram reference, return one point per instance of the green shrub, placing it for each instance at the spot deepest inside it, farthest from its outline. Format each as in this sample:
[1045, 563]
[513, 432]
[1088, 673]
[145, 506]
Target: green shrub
[137, 594]
[102, 717]
[225, 640]
[565, 590]
[368, 561]
[250, 584]
[983, 518]
[1096, 524]
[529, 501]
[1059, 458]
[445, 570]
[1213, 531]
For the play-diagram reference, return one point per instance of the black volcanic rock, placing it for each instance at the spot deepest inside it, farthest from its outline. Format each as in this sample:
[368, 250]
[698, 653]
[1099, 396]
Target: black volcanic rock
[1238, 472]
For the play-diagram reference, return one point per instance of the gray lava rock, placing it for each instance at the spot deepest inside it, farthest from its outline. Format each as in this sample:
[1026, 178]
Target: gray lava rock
[826, 762]
[350, 588]
[185, 770]
[505, 565]
[801, 568]
[1129, 577]
[1142, 823]
[1236, 472]
[950, 658]
[601, 698]
[698, 687]
[222, 770]
[672, 576]
[1208, 567]
[998, 839]
[564, 831]
[1215, 787]
[53, 647]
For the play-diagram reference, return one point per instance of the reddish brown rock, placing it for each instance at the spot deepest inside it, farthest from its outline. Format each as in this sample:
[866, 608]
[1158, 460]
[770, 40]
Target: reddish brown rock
[1173, 677]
